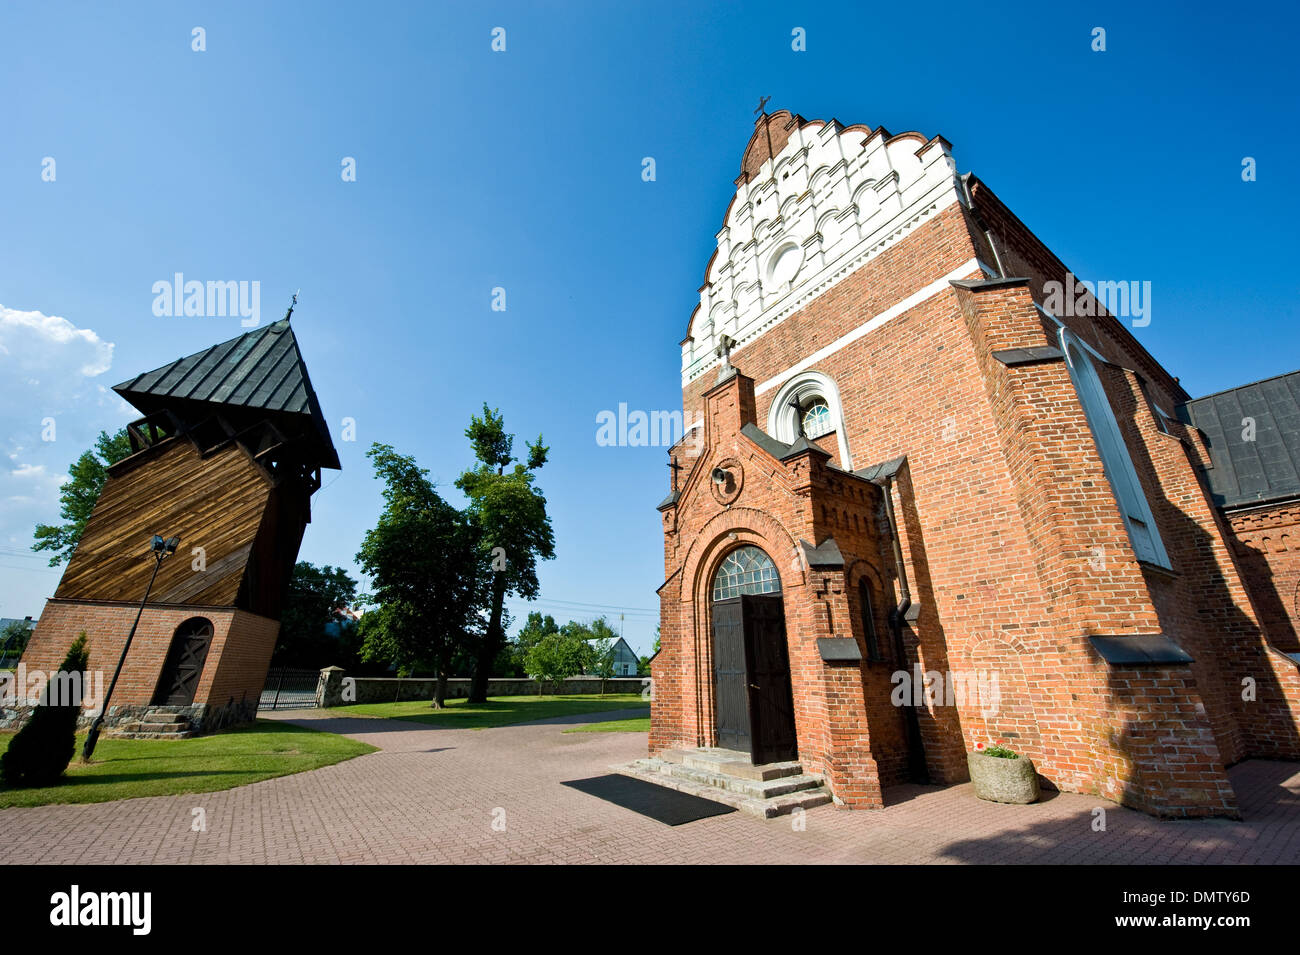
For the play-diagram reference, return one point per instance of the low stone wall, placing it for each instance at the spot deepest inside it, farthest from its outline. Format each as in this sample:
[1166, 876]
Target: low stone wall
[332, 690]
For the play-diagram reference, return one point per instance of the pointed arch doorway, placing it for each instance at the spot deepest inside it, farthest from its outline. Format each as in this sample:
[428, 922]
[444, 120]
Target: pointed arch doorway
[753, 701]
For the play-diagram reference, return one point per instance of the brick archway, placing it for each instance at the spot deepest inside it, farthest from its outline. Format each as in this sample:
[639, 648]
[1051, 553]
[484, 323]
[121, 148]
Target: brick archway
[725, 532]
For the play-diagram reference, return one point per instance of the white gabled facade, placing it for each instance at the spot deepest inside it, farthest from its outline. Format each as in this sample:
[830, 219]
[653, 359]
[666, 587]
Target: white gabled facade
[831, 198]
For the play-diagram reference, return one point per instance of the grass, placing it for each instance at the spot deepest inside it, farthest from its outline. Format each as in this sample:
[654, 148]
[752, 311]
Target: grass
[638, 724]
[130, 768]
[497, 711]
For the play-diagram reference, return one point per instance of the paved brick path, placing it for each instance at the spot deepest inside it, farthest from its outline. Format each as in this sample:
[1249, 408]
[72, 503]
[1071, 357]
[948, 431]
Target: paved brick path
[429, 797]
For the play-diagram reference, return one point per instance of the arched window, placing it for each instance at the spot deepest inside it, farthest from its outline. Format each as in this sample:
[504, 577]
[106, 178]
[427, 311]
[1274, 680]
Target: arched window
[809, 400]
[816, 417]
[746, 570]
[1115, 459]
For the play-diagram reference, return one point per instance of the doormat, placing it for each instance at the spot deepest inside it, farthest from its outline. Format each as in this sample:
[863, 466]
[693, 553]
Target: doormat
[660, 803]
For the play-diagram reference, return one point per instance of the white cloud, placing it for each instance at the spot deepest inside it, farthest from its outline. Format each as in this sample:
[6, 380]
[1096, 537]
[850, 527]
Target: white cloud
[51, 387]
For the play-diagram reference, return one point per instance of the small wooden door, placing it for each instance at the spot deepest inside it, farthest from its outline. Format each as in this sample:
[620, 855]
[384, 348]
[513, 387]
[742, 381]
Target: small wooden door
[731, 696]
[751, 678]
[184, 666]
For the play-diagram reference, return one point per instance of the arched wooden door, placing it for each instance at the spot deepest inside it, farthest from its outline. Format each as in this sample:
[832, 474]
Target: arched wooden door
[753, 701]
[180, 674]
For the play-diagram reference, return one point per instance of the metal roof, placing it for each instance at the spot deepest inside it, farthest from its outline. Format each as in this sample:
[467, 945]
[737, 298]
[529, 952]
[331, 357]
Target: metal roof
[1251, 465]
[262, 369]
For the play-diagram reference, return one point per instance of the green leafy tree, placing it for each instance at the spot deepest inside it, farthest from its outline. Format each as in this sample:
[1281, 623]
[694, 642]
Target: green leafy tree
[601, 639]
[42, 749]
[316, 597]
[13, 638]
[509, 512]
[428, 572]
[602, 660]
[556, 657]
[78, 495]
[536, 626]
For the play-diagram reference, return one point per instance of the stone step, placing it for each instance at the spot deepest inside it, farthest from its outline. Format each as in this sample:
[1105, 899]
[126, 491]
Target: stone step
[652, 770]
[730, 762]
[150, 734]
[156, 717]
[758, 788]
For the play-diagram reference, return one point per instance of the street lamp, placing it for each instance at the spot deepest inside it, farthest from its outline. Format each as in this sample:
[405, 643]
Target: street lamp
[161, 549]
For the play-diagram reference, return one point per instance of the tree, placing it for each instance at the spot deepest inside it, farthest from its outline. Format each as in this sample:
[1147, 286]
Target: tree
[428, 571]
[512, 659]
[602, 660]
[317, 595]
[42, 749]
[79, 493]
[557, 657]
[14, 637]
[601, 640]
[514, 531]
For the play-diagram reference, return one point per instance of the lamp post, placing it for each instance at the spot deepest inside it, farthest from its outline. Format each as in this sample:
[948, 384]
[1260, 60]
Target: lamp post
[161, 549]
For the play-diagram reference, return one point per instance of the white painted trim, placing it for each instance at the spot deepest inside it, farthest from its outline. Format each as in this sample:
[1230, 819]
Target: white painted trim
[780, 419]
[808, 285]
[916, 298]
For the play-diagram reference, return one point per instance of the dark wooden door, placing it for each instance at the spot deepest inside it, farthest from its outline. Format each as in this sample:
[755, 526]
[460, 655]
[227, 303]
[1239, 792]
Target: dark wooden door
[767, 660]
[730, 693]
[184, 666]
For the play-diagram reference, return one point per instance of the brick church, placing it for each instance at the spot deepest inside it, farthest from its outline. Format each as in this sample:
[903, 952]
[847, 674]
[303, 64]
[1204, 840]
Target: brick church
[908, 467]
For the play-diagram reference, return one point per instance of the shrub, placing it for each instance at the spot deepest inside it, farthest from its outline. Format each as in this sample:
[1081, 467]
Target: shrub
[42, 749]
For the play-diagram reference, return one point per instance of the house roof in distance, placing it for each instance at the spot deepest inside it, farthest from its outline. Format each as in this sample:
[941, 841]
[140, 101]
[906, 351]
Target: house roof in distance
[1251, 466]
[259, 370]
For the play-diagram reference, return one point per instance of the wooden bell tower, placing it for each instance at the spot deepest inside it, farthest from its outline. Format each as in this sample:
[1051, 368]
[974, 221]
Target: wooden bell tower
[226, 456]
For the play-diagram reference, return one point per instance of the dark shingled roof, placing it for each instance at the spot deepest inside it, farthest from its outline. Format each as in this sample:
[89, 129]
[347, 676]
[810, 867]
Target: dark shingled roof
[1251, 472]
[262, 369]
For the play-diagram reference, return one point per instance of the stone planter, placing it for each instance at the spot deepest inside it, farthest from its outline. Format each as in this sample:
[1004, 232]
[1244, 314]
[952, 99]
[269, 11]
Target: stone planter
[1003, 780]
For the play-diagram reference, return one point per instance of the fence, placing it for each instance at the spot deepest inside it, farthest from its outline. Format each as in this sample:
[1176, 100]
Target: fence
[289, 689]
[367, 689]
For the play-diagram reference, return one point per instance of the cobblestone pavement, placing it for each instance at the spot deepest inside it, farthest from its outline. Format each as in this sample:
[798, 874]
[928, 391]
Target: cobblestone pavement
[429, 796]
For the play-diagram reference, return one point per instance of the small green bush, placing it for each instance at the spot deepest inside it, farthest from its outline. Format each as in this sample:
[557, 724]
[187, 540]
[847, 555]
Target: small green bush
[42, 749]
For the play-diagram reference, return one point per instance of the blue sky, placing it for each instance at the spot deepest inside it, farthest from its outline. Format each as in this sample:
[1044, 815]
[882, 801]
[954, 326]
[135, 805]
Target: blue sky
[522, 170]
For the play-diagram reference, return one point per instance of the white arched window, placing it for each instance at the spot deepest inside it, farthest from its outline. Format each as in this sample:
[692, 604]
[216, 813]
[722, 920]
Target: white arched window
[1115, 459]
[809, 401]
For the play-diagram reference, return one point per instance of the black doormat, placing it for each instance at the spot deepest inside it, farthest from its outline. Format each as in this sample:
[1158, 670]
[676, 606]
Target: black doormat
[660, 803]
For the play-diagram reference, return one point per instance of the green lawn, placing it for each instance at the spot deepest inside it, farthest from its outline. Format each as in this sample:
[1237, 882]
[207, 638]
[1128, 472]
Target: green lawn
[126, 768]
[638, 724]
[497, 711]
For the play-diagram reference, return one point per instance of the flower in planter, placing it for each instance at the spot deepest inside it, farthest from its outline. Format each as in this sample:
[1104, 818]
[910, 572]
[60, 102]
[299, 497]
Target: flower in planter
[998, 749]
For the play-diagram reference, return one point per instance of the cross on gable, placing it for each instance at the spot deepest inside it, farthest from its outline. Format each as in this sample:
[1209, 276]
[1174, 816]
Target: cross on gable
[762, 102]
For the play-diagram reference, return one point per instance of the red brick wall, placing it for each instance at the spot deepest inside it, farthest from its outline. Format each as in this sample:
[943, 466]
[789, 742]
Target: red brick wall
[1012, 541]
[235, 667]
[1267, 543]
